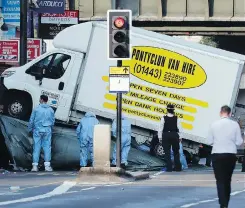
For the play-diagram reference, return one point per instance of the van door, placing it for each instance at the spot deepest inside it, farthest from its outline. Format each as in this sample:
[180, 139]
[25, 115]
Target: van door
[51, 76]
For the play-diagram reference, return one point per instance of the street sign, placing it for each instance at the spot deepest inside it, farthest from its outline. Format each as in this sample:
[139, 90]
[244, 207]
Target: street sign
[68, 18]
[9, 51]
[49, 31]
[11, 11]
[34, 48]
[119, 79]
[52, 24]
[48, 6]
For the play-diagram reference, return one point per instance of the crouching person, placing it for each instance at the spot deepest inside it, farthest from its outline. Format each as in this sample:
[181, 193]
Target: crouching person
[40, 126]
[125, 143]
[85, 134]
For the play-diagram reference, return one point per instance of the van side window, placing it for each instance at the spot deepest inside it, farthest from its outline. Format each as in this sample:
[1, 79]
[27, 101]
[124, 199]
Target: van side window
[40, 66]
[53, 66]
[58, 66]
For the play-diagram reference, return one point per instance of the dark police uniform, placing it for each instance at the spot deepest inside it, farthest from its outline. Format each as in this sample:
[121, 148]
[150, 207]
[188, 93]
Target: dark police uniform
[171, 139]
[168, 132]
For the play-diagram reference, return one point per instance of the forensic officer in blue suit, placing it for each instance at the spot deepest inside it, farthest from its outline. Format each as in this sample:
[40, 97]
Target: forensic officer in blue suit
[125, 143]
[40, 126]
[85, 133]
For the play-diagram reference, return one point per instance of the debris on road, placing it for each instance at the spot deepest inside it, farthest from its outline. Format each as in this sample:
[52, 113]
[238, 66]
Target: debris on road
[65, 148]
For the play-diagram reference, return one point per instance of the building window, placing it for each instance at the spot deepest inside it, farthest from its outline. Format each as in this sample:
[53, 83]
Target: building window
[129, 4]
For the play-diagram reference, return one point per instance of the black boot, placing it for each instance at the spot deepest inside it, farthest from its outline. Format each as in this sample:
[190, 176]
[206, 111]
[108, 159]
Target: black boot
[123, 166]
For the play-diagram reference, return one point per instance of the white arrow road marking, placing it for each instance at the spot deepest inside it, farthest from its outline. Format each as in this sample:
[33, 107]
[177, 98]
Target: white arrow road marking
[57, 191]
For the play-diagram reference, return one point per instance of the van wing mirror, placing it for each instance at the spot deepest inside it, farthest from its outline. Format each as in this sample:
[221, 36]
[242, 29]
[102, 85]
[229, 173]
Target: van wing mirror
[38, 76]
[38, 73]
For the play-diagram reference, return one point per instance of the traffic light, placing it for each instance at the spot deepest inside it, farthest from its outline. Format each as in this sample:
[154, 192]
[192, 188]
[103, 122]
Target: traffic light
[119, 23]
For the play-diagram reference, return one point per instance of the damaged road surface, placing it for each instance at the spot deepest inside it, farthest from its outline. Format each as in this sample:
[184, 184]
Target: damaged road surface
[65, 148]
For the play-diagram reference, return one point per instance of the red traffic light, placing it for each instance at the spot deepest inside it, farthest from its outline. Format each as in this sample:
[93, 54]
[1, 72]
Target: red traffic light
[119, 22]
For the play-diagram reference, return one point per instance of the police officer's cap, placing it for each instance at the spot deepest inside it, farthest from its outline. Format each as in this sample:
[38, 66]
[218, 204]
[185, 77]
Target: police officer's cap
[170, 107]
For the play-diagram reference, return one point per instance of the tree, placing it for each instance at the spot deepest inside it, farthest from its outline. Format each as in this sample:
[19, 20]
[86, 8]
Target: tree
[209, 41]
[229, 43]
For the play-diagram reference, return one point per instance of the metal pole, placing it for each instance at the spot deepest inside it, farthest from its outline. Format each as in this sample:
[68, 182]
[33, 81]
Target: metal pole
[23, 32]
[32, 23]
[119, 122]
[72, 4]
[39, 26]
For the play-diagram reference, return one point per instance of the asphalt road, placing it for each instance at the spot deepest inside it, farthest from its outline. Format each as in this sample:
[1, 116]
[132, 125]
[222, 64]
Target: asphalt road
[163, 190]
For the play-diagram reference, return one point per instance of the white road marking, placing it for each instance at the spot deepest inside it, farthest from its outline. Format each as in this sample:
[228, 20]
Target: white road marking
[71, 192]
[85, 189]
[57, 191]
[10, 193]
[187, 180]
[157, 174]
[127, 183]
[210, 200]
[116, 184]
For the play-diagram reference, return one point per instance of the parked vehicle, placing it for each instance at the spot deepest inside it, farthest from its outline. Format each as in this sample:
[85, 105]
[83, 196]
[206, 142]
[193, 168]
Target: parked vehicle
[197, 79]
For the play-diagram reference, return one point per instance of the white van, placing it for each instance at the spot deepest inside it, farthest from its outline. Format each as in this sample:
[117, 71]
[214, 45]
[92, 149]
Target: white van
[197, 79]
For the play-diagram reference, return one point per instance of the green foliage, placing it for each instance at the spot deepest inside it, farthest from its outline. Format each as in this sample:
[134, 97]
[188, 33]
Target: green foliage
[209, 41]
[229, 43]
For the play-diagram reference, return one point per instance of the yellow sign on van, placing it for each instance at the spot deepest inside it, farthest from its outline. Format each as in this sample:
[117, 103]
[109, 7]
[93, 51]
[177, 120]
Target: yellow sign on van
[119, 70]
[165, 68]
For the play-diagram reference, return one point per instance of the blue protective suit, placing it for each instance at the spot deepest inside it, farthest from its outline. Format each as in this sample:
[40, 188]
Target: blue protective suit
[85, 133]
[182, 157]
[126, 140]
[40, 124]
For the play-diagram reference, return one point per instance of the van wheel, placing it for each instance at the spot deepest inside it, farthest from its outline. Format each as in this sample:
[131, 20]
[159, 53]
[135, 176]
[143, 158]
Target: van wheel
[195, 160]
[18, 106]
[159, 151]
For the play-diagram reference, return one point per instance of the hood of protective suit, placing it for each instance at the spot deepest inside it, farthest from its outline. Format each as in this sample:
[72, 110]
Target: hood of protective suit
[90, 114]
[44, 105]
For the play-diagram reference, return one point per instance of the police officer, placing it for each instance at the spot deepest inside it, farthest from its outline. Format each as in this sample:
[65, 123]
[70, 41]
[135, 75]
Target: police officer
[40, 126]
[168, 133]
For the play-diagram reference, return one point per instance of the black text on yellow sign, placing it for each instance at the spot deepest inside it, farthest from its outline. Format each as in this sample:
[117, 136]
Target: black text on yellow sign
[158, 92]
[125, 70]
[149, 107]
[142, 114]
[165, 68]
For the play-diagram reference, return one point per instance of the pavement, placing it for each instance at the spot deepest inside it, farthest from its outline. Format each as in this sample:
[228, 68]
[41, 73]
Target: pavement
[192, 188]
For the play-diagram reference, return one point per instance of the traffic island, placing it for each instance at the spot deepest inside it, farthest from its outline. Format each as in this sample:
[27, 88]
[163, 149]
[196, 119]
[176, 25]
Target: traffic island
[101, 153]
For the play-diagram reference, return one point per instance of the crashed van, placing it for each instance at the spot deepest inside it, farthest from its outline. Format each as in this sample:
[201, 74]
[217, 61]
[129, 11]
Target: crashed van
[195, 78]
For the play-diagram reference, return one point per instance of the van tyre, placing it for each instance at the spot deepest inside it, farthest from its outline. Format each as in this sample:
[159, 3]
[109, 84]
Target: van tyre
[159, 151]
[18, 106]
[195, 160]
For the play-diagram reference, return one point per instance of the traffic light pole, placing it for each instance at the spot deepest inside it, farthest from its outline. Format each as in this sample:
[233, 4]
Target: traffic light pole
[23, 32]
[119, 122]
